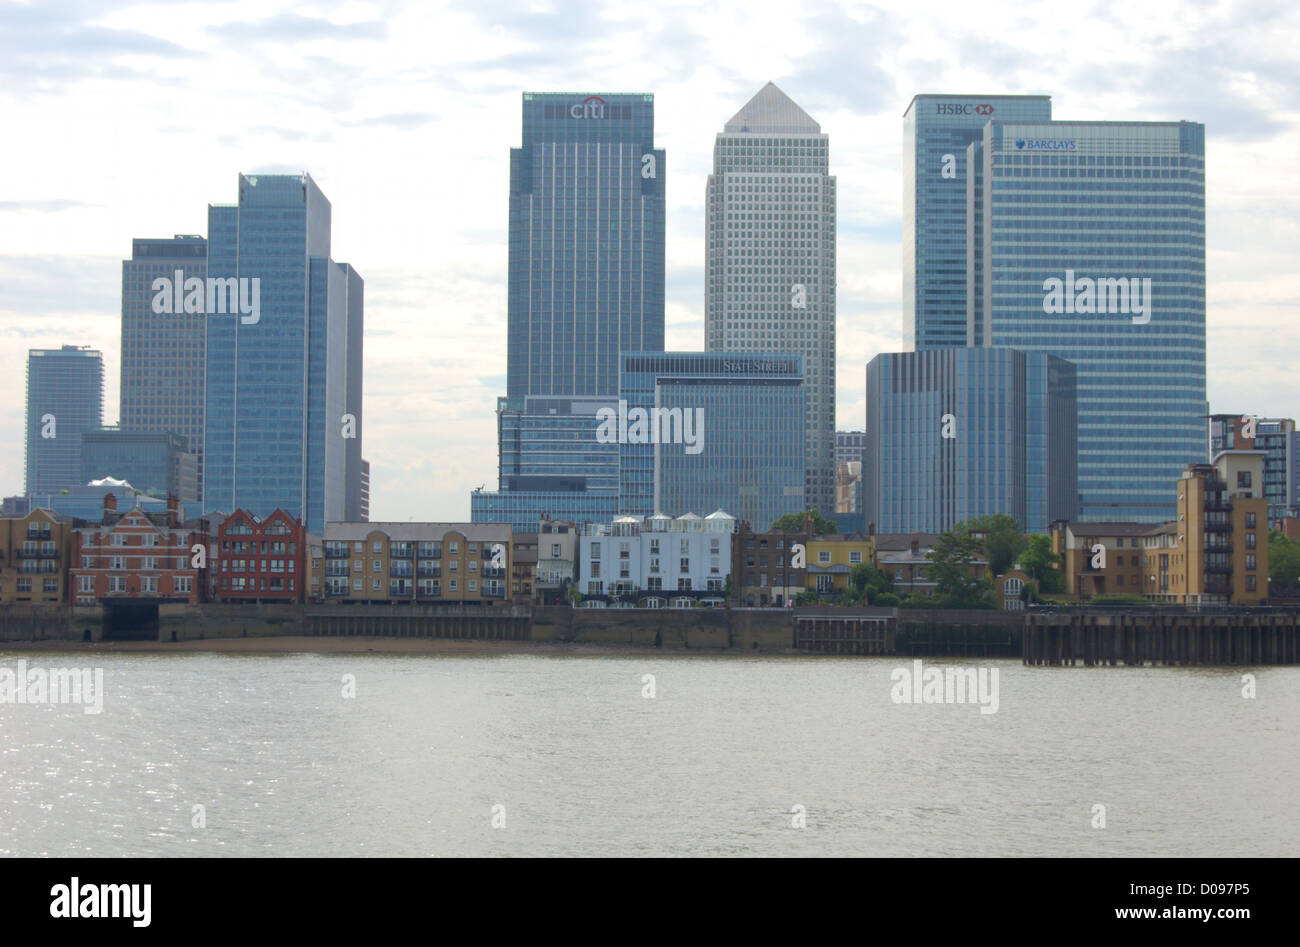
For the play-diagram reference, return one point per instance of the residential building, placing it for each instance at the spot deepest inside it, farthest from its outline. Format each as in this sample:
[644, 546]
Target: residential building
[657, 561]
[163, 353]
[954, 434]
[1101, 558]
[832, 558]
[283, 388]
[34, 550]
[138, 557]
[766, 570]
[65, 399]
[710, 430]
[937, 130]
[1276, 437]
[421, 563]
[1089, 245]
[158, 463]
[904, 557]
[523, 567]
[770, 233]
[557, 558]
[261, 559]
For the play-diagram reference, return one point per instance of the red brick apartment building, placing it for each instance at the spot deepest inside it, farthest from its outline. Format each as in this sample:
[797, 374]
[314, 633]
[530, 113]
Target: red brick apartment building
[135, 556]
[261, 560]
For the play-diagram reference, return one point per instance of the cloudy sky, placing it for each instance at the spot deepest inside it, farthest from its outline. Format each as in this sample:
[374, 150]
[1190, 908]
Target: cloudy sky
[126, 120]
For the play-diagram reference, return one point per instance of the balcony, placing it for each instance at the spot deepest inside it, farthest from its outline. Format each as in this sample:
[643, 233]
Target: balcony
[336, 568]
[400, 570]
[401, 550]
[493, 572]
[336, 551]
[1218, 527]
[1224, 568]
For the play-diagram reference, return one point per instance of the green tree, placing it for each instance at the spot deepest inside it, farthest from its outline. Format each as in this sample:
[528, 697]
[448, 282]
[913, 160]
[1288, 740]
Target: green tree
[954, 568]
[871, 581]
[809, 520]
[1003, 542]
[1040, 564]
[1283, 562]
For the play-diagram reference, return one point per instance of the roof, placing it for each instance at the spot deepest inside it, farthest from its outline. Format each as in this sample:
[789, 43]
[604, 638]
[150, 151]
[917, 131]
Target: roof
[772, 111]
[473, 532]
[901, 541]
[1114, 528]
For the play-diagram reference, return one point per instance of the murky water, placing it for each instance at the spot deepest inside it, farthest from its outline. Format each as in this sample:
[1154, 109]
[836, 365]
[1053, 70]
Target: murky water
[567, 751]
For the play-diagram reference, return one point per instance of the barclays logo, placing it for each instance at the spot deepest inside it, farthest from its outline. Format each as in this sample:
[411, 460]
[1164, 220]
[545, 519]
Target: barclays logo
[1045, 144]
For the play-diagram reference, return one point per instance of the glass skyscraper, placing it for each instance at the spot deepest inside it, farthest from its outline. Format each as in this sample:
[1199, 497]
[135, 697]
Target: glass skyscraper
[770, 259]
[586, 282]
[1091, 247]
[958, 433]
[741, 420]
[65, 399]
[936, 132]
[283, 393]
[163, 354]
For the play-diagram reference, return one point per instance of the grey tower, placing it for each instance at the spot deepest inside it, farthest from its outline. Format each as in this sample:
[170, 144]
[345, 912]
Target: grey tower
[770, 259]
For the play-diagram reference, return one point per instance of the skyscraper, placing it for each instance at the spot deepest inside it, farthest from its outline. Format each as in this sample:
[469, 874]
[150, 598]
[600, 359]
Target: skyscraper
[586, 282]
[163, 354]
[770, 259]
[65, 399]
[1091, 247]
[958, 433]
[936, 132]
[740, 416]
[283, 384]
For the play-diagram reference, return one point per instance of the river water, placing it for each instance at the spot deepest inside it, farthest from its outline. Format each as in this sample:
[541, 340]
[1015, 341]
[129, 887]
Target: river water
[567, 755]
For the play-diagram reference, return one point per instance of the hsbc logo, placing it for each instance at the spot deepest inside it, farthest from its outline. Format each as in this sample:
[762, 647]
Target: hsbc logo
[593, 106]
[962, 108]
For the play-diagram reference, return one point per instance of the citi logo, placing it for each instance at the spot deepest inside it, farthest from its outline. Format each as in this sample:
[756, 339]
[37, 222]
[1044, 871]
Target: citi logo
[983, 110]
[593, 106]
[1104, 295]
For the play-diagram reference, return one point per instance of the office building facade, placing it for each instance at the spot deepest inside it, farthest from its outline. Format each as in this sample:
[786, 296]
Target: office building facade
[1091, 247]
[770, 209]
[283, 385]
[1276, 437]
[65, 399]
[163, 353]
[159, 464]
[937, 130]
[959, 433]
[703, 431]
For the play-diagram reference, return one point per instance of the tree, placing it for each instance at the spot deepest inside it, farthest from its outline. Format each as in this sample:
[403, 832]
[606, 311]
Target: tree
[1003, 541]
[1283, 562]
[807, 521]
[869, 580]
[954, 568]
[1040, 564]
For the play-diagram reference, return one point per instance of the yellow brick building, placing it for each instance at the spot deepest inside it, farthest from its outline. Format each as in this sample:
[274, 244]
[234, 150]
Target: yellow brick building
[34, 553]
[831, 558]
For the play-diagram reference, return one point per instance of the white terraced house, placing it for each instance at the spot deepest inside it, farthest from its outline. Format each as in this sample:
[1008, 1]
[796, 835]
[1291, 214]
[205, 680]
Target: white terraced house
[656, 562]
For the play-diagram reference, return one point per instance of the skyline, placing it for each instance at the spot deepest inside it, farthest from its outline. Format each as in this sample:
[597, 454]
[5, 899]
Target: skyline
[436, 294]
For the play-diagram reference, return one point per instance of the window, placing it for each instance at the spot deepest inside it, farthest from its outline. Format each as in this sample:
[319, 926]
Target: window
[451, 586]
[595, 551]
[1250, 521]
[595, 570]
[374, 585]
[1243, 478]
[356, 565]
[85, 583]
[356, 585]
[555, 550]
[1250, 540]
[181, 583]
[377, 546]
[453, 547]
[1250, 560]
[686, 565]
[116, 583]
[376, 565]
[149, 583]
[855, 556]
[50, 586]
[1250, 583]
[823, 557]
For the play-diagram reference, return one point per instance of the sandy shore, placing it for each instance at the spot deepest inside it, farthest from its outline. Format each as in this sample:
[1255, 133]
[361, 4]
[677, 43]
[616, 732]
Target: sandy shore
[341, 645]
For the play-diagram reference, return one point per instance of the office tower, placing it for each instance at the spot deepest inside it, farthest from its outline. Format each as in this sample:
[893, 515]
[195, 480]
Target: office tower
[703, 431]
[586, 282]
[65, 399]
[770, 259]
[1092, 248]
[283, 392]
[158, 463]
[162, 353]
[937, 129]
[363, 495]
[958, 433]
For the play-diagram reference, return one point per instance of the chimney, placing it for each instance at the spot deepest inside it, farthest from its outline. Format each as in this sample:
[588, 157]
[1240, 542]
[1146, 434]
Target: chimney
[871, 528]
[173, 510]
[110, 503]
[916, 547]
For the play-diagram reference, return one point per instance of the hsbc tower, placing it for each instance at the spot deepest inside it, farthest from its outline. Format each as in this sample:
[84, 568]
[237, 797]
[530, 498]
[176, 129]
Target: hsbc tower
[936, 132]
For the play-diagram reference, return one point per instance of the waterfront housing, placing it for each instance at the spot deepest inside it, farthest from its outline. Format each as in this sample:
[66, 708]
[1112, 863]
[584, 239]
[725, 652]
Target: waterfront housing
[656, 561]
[261, 559]
[765, 570]
[34, 550]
